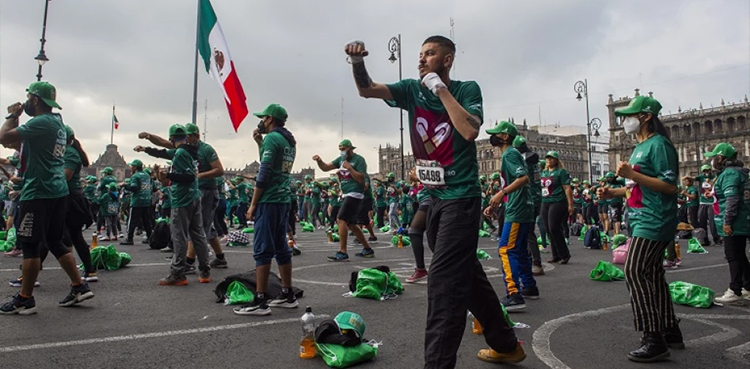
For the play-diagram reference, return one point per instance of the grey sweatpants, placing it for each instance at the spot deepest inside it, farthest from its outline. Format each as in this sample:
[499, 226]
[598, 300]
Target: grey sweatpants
[393, 216]
[187, 225]
[209, 203]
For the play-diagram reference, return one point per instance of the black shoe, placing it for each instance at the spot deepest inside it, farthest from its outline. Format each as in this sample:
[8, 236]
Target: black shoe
[654, 348]
[77, 295]
[531, 293]
[259, 307]
[286, 301]
[514, 302]
[372, 239]
[565, 260]
[19, 305]
[218, 263]
[127, 243]
[673, 337]
[366, 253]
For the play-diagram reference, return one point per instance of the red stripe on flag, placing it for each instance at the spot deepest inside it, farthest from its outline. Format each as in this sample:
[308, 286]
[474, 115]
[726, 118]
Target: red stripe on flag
[236, 104]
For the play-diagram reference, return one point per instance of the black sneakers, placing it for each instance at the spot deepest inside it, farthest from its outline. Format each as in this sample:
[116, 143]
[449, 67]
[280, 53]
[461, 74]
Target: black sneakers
[285, 301]
[19, 305]
[514, 302]
[218, 263]
[77, 295]
[259, 307]
[531, 293]
[654, 348]
[366, 253]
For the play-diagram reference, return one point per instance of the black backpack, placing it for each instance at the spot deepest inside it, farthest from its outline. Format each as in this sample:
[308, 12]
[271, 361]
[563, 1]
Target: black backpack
[592, 238]
[330, 332]
[161, 237]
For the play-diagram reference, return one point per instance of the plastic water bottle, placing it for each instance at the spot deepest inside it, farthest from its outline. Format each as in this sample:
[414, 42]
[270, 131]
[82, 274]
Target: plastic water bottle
[307, 345]
[95, 240]
[476, 328]
[330, 236]
[400, 241]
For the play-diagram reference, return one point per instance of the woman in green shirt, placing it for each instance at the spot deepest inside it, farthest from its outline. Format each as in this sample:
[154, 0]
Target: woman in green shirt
[651, 192]
[732, 189]
[557, 205]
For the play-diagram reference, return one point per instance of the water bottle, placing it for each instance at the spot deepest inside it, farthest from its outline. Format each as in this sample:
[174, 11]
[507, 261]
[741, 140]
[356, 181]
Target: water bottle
[400, 241]
[330, 236]
[95, 240]
[476, 328]
[307, 345]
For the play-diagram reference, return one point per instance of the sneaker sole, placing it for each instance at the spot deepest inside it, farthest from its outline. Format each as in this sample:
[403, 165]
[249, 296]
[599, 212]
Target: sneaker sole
[257, 312]
[506, 360]
[740, 302]
[204, 280]
[409, 280]
[514, 308]
[536, 297]
[337, 260]
[180, 283]
[284, 305]
[30, 311]
[78, 299]
[96, 279]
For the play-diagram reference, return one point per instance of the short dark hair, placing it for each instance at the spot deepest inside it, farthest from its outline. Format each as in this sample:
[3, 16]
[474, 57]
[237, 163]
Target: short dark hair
[442, 41]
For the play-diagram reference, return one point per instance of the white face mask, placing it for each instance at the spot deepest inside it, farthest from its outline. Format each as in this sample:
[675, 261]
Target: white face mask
[343, 154]
[631, 124]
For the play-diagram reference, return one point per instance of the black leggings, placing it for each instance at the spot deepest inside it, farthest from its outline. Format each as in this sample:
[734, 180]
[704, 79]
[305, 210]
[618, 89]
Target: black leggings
[739, 267]
[334, 215]
[416, 235]
[380, 215]
[555, 215]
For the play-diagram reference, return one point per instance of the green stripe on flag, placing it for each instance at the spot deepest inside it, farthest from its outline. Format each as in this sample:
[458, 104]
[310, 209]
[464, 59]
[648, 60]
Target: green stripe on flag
[206, 20]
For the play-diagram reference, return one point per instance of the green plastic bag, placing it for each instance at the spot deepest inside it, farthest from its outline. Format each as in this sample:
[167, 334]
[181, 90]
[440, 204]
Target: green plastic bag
[606, 272]
[3, 235]
[125, 259]
[485, 226]
[689, 294]
[237, 293]
[385, 229]
[337, 356]
[248, 230]
[365, 231]
[405, 240]
[394, 285]
[235, 220]
[335, 237]
[6, 246]
[162, 220]
[105, 257]
[308, 228]
[618, 240]
[603, 237]
[483, 255]
[371, 284]
[694, 247]
[11, 236]
[483, 234]
[583, 232]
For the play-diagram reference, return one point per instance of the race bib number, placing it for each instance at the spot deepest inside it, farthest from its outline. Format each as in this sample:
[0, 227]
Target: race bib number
[112, 208]
[546, 186]
[430, 173]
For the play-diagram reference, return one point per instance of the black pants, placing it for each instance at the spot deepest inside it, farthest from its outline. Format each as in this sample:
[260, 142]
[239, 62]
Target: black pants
[242, 215]
[649, 292]
[219, 223]
[706, 221]
[232, 214]
[739, 267]
[555, 215]
[536, 256]
[682, 214]
[381, 214]
[334, 215]
[76, 217]
[139, 217]
[457, 282]
[693, 216]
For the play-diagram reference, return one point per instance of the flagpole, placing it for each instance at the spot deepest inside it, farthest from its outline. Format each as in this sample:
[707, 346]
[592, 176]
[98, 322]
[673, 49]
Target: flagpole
[112, 129]
[195, 68]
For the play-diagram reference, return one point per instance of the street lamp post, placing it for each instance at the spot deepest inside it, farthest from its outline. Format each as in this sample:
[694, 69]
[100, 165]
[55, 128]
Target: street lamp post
[581, 87]
[42, 57]
[394, 46]
[594, 124]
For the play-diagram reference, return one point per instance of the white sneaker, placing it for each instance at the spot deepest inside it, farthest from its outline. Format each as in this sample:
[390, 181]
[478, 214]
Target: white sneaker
[745, 294]
[730, 298]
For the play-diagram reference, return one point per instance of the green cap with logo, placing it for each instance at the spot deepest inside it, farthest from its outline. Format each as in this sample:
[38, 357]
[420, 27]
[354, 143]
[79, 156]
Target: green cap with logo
[45, 91]
[177, 130]
[503, 127]
[640, 104]
[349, 320]
[723, 149]
[273, 110]
[609, 175]
[91, 179]
[346, 143]
[136, 163]
[705, 167]
[108, 170]
[191, 129]
[552, 154]
[518, 141]
[69, 132]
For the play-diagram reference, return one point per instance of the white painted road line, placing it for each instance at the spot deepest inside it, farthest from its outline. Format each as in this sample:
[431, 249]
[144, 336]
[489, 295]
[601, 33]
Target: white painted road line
[133, 337]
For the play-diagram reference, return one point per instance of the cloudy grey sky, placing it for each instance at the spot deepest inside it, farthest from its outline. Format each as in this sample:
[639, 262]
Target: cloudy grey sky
[526, 56]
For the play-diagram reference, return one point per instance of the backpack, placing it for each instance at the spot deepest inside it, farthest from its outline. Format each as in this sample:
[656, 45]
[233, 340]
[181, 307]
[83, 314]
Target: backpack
[161, 236]
[576, 228]
[701, 235]
[376, 284]
[620, 254]
[592, 239]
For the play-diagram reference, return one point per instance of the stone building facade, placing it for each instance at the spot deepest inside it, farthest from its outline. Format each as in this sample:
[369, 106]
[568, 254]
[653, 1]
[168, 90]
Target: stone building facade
[110, 158]
[253, 168]
[693, 132]
[572, 150]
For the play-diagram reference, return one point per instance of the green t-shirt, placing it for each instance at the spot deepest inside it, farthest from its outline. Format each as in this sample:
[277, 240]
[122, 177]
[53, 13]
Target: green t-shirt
[16, 162]
[380, 197]
[733, 183]
[140, 186]
[368, 188]
[184, 193]
[166, 199]
[705, 189]
[653, 215]
[206, 156]
[334, 194]
[232, 197]
[109, 205]
[348, 184]
[552, 182]
[392, 191]
[90, 192]
[308, 187]
[535, 184]
[692, 202]
[73, 163]
[315, 198]
[44, 143]
[277, 151]
[485, 198]
[436, 142]
[519, 208]
[242, 193]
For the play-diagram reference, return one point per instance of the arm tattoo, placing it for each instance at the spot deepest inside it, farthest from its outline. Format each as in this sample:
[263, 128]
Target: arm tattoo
[360, 75]
[473, 122]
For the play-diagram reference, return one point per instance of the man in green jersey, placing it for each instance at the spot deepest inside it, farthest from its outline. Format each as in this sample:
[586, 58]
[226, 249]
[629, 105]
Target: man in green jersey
[444, 121]
[380, 202]
[705, 185]
[352, 170]
[42, 201]
[270, 208]
[140, 201]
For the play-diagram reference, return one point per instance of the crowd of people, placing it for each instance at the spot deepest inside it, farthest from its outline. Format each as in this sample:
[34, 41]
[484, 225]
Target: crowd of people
[443, 201]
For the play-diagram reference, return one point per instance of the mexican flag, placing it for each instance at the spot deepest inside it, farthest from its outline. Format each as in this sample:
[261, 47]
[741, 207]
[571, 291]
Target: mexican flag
[213, 48]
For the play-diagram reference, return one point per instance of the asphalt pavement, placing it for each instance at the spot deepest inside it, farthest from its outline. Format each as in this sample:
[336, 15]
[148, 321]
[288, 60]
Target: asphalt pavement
[134, 323]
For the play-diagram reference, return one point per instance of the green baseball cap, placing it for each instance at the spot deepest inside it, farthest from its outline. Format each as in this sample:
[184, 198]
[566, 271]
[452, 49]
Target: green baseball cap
[69, 132]
[722, 149]
[482, 178]
[349, 320]
[552, 154]
[191, 129]
[640, 104]
[705, 167]
[495, 176]
[136, 163]
[609, 175]
[239, 179]
[273, 110]
[108, 170]
[297, 182]
[91, 179]
[147, 170]
[346, 143]
[586, 182]
[112, 186]
[308, 177]
[600, 179]
[575, 180]
[45, 91]
[518, 141]
[391, 175]
[503, 127]
[177, 130]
